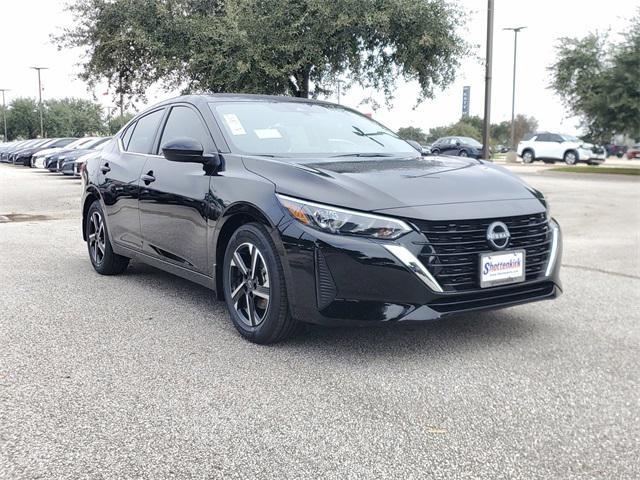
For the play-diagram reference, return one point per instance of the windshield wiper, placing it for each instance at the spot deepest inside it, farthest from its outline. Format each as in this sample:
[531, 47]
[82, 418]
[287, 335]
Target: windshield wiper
[361, 133]
[363, 155]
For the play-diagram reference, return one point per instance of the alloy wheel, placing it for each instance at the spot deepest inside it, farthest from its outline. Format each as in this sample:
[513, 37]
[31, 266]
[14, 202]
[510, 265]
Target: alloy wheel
[97, 239]
[249, 284]
[570, 158]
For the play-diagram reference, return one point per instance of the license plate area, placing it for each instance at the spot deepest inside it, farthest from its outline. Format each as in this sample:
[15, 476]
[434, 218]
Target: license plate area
[502, 268]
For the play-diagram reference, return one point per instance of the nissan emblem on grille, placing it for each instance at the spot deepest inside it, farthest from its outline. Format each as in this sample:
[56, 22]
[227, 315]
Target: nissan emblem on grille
[498, 235]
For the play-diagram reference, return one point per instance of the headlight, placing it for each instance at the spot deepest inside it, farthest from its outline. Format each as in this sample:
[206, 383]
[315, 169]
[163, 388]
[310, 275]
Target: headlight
[343, 222]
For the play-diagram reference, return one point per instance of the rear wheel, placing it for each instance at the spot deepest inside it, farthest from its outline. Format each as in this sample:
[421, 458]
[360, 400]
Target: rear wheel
[103, 259]
[527, 156]
[463, 153]
[254, 287]
[570, 157]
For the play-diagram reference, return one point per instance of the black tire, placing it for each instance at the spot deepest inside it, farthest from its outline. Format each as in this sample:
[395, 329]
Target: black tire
[276, 322]
[570, 157]
[435, 151]
[103, 259]
[463, 153]
[528, 156]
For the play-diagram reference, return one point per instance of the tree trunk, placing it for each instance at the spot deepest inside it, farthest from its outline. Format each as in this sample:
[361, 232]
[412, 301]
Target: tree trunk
[303, 83]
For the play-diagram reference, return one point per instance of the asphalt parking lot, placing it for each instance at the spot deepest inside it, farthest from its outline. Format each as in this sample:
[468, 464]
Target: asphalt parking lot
[144, 376]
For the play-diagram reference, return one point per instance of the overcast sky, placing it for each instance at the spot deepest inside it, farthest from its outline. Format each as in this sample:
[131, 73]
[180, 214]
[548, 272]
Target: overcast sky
[27, 25]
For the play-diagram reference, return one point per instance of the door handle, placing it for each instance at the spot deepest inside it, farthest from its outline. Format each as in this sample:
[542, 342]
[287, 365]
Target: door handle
[105, 168]
[148, 177]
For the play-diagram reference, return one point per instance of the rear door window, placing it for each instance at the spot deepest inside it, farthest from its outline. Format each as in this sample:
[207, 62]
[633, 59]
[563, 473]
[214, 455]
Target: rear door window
[145, 132]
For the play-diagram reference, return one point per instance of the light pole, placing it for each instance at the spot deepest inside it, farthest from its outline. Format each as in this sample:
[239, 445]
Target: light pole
[487, 83]
[516, 30]
[4, 112]
[40, 99]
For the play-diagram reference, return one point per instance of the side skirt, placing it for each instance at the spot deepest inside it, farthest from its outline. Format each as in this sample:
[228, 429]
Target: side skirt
[185, 273]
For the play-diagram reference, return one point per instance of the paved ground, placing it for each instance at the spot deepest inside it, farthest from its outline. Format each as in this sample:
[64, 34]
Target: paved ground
[144, 376]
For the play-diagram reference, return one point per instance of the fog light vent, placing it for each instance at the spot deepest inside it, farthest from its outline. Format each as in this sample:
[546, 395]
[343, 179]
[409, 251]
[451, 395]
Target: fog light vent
[325, 286]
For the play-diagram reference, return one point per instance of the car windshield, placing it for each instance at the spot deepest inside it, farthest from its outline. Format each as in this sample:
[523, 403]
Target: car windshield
[470, 141]
[570, 138]
[96, 142]
[286, 129]
[81, 142]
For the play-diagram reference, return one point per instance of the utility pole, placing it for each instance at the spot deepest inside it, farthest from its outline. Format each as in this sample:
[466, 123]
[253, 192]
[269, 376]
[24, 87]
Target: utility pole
[487, 83]
[516, 30]
[339, 83]
[40, 99]
[4, 112]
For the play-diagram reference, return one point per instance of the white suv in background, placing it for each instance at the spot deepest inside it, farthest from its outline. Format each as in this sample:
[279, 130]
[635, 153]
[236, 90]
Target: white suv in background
[550, 147]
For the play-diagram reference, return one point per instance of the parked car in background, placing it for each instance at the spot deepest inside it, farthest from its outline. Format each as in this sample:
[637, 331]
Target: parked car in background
[8, 155]
[424, 150]
[614, 150]
[54, 161]
[38, 158]
[8, 147]
[457, 146]
[71, 163]
[23, 156]
[633, 152]
[26, 156]
[551, 147]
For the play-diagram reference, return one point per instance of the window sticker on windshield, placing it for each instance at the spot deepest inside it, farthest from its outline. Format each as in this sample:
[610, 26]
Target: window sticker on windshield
[265, 133]
[233, 122]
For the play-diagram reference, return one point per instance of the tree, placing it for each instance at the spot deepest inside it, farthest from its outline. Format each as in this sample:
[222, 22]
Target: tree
[292, 47]
[23, 119]
[413, 133]
[72, 117]
[598, 82]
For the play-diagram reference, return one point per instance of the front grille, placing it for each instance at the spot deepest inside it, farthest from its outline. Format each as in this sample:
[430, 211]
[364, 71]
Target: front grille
[496, 297]
[451, 250]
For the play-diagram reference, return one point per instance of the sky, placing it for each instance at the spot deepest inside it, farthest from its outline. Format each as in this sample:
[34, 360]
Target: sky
[28, 24]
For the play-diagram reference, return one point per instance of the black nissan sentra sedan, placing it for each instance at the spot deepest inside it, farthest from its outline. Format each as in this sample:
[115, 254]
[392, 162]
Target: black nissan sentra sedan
[294, 210]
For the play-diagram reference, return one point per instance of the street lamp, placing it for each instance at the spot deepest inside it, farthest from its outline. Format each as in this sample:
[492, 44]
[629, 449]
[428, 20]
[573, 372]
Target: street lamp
[516, 30]
[4, 112]
[487, 83]
[40, 99]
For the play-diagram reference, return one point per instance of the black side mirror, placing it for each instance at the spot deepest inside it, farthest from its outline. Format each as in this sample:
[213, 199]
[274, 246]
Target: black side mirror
[415, 145]
[190, 151]
[457, 144]
[183, 150]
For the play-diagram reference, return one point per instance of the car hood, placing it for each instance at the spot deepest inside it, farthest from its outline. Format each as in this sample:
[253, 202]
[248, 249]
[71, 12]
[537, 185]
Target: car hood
[394, 184]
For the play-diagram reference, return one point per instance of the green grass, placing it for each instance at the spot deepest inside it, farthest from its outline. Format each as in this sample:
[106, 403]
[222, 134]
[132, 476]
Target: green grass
[614, 170]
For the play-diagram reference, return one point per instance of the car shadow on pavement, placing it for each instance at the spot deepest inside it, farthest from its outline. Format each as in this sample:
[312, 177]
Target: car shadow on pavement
[432, 338]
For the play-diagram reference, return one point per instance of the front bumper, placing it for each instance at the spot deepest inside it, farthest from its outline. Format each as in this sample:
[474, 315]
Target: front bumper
[591, 157]
[340, 280]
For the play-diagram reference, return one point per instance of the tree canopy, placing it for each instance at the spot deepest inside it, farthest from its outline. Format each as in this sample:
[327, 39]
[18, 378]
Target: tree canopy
[598, 81]
[290, 47]
[67, 117]
[413, 133]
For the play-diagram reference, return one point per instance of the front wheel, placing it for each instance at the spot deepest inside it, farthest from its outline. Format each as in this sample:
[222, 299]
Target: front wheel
[570, 158]
[254, 287]
[103, 259]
